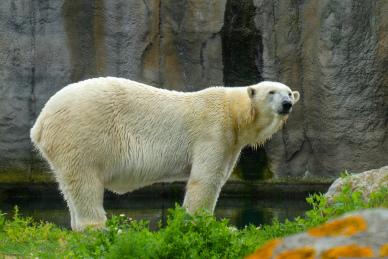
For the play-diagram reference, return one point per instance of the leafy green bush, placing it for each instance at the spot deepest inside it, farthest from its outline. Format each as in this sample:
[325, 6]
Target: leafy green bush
[347, 200]
[184, 236]
[379, 199]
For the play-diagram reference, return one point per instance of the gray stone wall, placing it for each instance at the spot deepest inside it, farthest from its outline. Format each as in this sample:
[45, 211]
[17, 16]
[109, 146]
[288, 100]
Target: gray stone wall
[333, 52]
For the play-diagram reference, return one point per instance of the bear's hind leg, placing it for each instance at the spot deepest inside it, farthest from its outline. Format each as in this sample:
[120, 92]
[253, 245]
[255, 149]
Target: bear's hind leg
[84, 195]
[73, 223]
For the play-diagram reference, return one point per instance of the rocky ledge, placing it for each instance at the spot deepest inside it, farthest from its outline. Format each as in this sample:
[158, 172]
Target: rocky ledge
[366, 182]
[360, 234]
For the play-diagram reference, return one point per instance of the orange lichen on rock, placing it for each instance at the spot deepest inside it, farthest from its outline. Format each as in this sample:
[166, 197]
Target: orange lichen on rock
[266, 251]
[347, 251]
[342, 227]
[384, 250]
[299, 253]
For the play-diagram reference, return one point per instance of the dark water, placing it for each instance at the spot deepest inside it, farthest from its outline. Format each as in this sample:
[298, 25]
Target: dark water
[239, 211]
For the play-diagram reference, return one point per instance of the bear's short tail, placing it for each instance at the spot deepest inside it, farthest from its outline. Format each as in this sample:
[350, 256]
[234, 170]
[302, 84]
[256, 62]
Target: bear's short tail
[36, 131]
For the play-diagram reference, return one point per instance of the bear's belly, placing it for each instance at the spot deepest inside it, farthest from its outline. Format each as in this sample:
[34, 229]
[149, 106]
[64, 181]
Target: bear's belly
[140, 174]
[123, 185]
[146, 154]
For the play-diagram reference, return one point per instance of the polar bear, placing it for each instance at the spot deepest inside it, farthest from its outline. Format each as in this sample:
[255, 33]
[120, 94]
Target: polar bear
[117, 134]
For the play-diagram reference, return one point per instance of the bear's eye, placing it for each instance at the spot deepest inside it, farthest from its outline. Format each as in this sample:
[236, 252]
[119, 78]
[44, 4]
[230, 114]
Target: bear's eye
[271, 92]
[289, 94]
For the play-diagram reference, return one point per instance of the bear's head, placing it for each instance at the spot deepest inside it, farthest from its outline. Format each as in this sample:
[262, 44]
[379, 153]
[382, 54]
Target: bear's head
[273, 98]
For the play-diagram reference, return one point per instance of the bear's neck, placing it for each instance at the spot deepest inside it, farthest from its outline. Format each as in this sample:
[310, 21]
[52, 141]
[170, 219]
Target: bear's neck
[249, 125]
[243, 115]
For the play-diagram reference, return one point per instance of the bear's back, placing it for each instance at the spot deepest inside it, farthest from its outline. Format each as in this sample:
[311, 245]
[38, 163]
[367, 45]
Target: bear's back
[117, 118]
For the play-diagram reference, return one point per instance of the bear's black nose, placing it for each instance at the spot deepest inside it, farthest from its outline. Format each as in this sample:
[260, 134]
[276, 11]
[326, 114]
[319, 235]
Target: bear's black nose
[286, 105]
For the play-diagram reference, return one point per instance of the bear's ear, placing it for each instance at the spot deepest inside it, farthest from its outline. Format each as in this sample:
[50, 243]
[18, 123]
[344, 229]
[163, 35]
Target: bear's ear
[296, 96]
[251, 92]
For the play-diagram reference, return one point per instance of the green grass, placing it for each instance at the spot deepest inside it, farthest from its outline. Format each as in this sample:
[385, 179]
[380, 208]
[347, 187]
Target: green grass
[184, 236]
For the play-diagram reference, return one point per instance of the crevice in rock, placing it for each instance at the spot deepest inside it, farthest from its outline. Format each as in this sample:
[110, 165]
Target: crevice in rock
[201, 58]
[290, 157]
[147, 6]
[253, 164]
[242, 51]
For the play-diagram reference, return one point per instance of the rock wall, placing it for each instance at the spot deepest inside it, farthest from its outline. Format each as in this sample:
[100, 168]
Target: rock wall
[333, 52]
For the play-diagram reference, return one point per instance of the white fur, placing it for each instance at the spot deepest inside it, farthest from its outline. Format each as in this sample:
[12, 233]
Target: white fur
[122, 135]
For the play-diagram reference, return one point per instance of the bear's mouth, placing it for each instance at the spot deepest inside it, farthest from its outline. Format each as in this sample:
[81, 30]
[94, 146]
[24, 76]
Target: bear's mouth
[284, 112]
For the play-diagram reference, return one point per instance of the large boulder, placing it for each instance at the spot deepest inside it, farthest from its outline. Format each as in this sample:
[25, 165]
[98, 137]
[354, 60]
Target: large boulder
[366, 182]
[360, 234]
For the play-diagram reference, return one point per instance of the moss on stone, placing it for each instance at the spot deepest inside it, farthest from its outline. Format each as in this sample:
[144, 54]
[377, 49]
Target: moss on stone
[266, 251]
[384, 250]
[9, 176]
[299, 253]
[342, 227]
[14, 176]
[347, 251]
[42, 177]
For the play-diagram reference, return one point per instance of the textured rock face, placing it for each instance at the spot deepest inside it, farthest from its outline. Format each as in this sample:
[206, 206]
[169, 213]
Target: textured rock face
[334, 52]
[17, 76]
[366, 182]
[46, 45]
[360, 234]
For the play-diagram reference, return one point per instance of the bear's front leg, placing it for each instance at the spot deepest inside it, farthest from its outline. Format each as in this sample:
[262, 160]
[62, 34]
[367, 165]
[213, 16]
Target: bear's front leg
[208, 175]
[202, 194]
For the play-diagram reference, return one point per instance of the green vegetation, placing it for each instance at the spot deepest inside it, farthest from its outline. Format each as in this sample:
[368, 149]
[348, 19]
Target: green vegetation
[184, 236]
